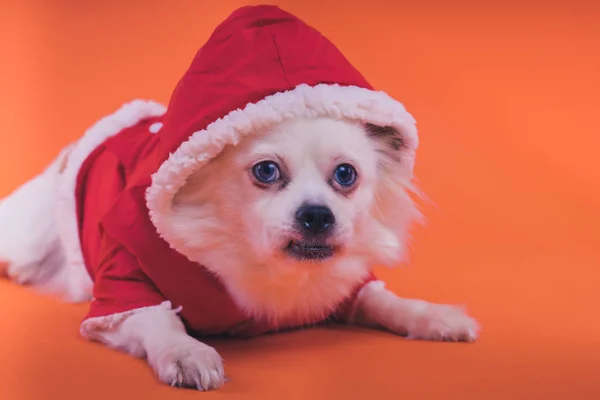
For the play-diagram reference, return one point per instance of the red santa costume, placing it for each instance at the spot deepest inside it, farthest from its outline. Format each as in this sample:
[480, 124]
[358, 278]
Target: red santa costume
[260, 67]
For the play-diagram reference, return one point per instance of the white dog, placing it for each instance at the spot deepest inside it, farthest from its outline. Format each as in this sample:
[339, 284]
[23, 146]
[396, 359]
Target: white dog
[259, 201]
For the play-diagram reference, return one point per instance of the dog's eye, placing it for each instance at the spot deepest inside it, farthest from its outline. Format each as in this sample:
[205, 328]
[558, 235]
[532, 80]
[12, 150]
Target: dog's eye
[345, 175]
[266, 172]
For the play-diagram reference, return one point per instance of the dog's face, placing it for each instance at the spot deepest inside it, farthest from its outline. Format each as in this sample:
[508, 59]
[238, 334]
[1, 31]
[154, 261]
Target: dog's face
[306, 188]
[318, 201]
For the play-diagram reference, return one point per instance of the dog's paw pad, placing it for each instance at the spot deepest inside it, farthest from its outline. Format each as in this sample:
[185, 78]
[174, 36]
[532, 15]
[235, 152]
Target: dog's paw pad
[191, 365]
[444, 323]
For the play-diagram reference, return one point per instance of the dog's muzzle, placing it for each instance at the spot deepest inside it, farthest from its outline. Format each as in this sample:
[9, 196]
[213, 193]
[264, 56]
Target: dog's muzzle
[314, 224]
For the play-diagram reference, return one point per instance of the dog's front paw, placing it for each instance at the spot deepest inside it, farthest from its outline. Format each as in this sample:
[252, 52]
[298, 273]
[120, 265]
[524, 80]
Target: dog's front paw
[443, 322]
[190, 364]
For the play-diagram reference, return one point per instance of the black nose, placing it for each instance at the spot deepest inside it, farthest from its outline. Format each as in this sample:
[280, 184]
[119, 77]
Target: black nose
[314, 219]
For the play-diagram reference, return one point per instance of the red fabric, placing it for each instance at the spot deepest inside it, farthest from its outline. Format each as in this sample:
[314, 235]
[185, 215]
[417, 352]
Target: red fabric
[119, 282]
[256, 52]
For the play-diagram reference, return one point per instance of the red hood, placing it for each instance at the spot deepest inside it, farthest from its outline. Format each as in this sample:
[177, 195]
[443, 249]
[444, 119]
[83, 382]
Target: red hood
[260, 67]
[256, 52]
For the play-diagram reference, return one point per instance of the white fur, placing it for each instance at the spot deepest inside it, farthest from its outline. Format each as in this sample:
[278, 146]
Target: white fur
[158, 334]
[222, 221]
[29, 242]
[415, 319]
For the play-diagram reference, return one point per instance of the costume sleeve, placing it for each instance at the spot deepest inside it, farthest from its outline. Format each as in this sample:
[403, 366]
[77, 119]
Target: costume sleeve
[121, 289]
[346, 311]
[120, 286]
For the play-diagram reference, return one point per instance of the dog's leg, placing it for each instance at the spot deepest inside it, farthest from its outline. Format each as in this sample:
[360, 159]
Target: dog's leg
[31, 250]
[29, 241]
[415, 319]
[178, 359]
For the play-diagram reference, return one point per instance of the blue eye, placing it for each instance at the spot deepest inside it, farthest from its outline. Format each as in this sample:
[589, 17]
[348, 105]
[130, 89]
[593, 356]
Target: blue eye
[345, 175]
[266, 172]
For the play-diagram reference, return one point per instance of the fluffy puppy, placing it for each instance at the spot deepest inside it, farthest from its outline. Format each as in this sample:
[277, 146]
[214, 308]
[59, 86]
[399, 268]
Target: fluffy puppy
[291, 220]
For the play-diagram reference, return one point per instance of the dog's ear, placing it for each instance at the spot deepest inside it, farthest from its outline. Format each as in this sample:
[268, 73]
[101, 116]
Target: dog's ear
[390, 141]
[394, 208]
[390, 136]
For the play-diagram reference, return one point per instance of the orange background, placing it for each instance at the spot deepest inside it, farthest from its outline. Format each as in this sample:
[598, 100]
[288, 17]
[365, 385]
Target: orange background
[506, 97]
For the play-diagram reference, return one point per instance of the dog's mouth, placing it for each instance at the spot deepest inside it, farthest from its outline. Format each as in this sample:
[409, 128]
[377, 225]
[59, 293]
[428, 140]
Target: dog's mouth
[309, 251]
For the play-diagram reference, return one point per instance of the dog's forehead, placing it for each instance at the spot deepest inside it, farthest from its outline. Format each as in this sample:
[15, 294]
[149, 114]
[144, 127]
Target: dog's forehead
[312, 136]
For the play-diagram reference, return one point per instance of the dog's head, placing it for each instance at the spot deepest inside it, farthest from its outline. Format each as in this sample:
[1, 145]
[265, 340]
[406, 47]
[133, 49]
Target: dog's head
[319, 200]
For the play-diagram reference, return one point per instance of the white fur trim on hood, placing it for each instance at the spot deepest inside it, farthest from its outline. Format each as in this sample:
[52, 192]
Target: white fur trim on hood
[304, 101]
